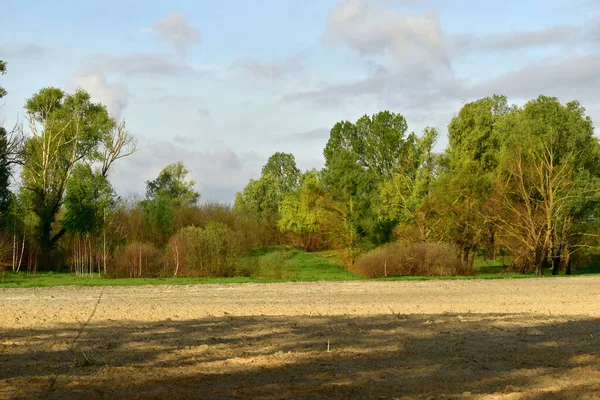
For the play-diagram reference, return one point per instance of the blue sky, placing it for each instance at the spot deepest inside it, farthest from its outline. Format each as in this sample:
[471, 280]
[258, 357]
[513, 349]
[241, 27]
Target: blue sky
[221, 85]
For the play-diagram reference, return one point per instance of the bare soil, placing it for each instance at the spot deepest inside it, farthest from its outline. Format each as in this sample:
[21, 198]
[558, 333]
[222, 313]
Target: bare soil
[475, 339]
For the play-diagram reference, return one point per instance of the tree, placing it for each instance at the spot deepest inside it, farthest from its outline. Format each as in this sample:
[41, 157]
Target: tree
[10, 147]
[87, 197]
[548, 182]
[261, 198]
[358, 157]
[159, 216]
[378, 142]
[67, 130]
[301, 212]
[405, 198]
[464, 188]
[172, 182]
[89, 201]
[282, 166]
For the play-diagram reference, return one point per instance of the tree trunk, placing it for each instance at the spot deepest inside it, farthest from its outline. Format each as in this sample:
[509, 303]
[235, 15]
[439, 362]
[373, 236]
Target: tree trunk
[465, 260]
[45, 254]
[540, 259]
[21, 258]
[556, 263]
[567, 261]
[491, 250]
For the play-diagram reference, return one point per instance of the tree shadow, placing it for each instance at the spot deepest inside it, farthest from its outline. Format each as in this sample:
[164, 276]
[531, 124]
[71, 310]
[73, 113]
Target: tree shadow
[381, 356]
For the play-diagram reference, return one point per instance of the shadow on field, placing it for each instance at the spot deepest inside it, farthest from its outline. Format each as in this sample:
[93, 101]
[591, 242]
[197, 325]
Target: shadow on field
[383, 356]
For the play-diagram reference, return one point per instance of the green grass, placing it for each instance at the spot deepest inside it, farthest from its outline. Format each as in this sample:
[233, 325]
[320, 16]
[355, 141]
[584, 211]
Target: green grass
[47, 279]
[299, 266]
[292, 266]
[322, 266]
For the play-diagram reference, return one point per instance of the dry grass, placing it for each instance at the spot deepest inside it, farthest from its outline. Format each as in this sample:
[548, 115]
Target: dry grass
[423, 259]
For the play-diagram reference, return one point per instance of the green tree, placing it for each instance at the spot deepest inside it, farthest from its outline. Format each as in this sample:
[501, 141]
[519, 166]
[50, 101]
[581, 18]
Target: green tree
[359, 157]
[89, 203]
[172, 181]
[405, 198]
[88, 197]
[261, 198]
[282, 167]
[159, 216]
[67, 130]
[10, 147]
[548, 182]
[465, 185]
[301, 212]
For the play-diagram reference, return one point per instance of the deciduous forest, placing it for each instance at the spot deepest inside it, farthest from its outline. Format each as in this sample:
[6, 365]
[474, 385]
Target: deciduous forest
[517, 182]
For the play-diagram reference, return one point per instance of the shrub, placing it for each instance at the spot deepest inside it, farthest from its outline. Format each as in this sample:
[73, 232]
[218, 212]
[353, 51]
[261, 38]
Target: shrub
[423, 259]
[212, 251]
[273, 265]
[247, 266]
[135, 260]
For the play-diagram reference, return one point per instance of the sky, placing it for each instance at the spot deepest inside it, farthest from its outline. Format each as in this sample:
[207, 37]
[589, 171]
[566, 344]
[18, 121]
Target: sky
[222, 85]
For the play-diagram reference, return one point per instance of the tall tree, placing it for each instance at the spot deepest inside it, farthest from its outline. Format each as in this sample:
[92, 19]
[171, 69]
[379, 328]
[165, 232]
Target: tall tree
[173, 182]
[358, 157]
[67, 129]
[262, 197]
[465, 184]
[405, 198]
[548, 182]
[10, 147]
[302, 212]
[282, 167]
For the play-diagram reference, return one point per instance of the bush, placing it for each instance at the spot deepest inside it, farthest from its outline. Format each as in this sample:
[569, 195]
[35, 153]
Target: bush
[136, 260]
[247, 266]
[423, 259]
[276, 265]
[212, 251]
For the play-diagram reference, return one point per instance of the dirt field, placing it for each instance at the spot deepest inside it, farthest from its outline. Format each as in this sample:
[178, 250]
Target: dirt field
[505, 339]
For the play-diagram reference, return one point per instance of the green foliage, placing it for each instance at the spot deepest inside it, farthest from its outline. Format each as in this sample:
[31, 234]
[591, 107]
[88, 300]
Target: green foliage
[549, 182]
[377, 144]
[5, 194]
[68, 129]
[88, 199]
[302, 212]
[358, 158]
[405, 197]
[172, 181]
[260, 197]
[464, 188]
[212, 251]
[159, 216]
[5, 173]
[282, 167]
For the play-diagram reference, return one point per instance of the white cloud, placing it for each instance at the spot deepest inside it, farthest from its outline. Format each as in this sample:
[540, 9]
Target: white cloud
[204, 112]
[143, 64]
[369, 28]
[114, 96]
[557, 35]
[219, 173]
[258, 70]
[571, 78]
[23, 51]
[175, 29]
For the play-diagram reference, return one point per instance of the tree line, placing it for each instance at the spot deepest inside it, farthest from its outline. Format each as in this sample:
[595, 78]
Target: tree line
[517, 180]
